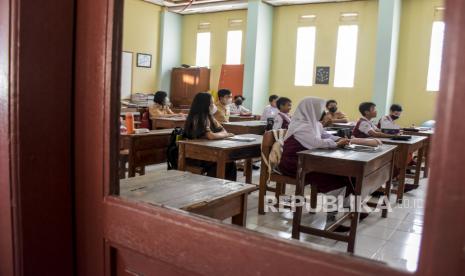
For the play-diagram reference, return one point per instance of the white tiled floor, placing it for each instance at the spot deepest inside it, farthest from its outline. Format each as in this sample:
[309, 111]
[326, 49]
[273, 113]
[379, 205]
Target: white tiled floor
[394, 240]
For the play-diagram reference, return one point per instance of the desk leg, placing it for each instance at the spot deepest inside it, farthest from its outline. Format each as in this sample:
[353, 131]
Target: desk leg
[248, 171]
[182, 157]
[221, 167]
[355, 216]
[403, 158]
[387, 190]
[262, 188]
[418, 165]
[427, 148]
[299, 191]
[241, 218]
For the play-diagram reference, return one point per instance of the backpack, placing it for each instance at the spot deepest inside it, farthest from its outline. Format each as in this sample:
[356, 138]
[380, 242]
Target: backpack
[172, 151]
[276, 150]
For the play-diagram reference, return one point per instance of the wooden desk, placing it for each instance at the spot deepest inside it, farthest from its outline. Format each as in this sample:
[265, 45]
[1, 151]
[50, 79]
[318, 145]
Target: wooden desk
[429, 134]
[238, 118]
[145, 149]
[208, 196]
[371, 170]
[221, 152]
[404, 148]
[169, 122]
[350, 125]
[246, 127]
[180, 110]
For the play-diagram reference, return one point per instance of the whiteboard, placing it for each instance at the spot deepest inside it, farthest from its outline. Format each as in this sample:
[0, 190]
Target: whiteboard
[126, 75]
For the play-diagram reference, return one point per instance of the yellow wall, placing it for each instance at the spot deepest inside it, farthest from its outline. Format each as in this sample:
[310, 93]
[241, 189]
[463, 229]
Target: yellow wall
[412, 65]
[141, 35]
[219, 26]
[327, 22]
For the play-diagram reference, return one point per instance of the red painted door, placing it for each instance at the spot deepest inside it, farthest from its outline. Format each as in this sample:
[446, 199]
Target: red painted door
[75, 224]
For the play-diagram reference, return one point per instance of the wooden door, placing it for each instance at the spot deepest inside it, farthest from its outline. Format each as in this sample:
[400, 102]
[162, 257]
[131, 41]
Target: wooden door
[111, 236]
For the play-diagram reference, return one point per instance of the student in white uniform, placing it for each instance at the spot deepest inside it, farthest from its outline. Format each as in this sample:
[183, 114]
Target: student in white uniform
[365, 128]
[270, 110]
[283, 119]
[387, 122]
[237, 108]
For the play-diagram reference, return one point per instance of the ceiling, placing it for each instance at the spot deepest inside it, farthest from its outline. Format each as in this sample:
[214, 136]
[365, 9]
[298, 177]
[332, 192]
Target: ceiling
[205, 6]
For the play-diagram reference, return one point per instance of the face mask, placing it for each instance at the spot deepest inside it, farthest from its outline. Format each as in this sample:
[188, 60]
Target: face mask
[167, 102]
[238, 102]
[229, 101]
[213, 109]
[332, 109]
[394, 117]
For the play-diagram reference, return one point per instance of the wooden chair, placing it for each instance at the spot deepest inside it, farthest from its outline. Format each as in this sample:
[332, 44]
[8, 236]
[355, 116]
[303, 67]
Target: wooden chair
[281, 180]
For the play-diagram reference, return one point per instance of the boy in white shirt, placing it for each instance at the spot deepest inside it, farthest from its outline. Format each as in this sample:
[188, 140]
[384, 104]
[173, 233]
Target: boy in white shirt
[365, 128]
[282, 120]
[237, 107]
[270, 110]
[387, 122]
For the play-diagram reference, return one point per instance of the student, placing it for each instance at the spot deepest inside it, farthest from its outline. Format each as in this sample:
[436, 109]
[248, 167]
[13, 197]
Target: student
[200, 124]
[332, 115]
[161, 106]
[365, 127]
[387, 122]
[306, 132]
[223, 106]
[270, 110]
[282, 120]
[238, 108]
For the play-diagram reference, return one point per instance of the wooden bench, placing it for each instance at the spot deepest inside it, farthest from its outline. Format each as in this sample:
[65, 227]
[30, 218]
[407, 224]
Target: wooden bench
[203, 195]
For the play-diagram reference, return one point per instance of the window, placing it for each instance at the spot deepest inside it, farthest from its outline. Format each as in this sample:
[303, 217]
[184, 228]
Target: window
[234, 47]
[346, 55]
[305, 52]
[203, 49]
[435, 57]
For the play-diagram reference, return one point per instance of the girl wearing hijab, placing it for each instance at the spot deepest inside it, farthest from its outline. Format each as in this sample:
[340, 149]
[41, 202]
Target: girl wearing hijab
[200, 124]
[306, 132]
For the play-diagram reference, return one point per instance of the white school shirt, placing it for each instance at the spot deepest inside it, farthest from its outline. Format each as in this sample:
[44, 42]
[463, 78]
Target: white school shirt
[366, 125]
[278, 120]
[234, 109]
[386, 122]
[269, 112]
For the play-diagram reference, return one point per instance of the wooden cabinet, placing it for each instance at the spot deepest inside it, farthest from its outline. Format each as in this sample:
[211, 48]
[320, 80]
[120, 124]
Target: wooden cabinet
[186, 83]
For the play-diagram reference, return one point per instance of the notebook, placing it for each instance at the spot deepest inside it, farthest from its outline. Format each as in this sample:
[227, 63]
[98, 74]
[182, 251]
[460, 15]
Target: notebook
[241, 138]
[402, 137]
[361, 148]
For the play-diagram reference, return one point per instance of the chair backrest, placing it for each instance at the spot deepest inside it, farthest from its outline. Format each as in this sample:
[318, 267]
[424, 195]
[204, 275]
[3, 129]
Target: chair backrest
[267, 145]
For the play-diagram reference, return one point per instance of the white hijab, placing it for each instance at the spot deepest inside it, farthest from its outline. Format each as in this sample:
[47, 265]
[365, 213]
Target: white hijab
[305, 125]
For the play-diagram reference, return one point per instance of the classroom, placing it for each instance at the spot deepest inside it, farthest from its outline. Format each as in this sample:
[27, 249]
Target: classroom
[226, 137]
[349, 52]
